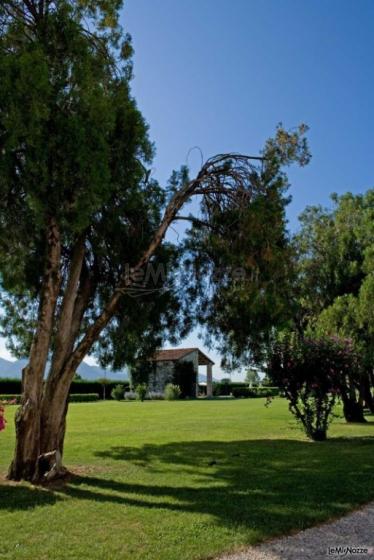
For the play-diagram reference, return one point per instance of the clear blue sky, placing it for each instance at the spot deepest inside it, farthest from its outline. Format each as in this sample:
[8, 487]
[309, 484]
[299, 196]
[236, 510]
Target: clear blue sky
[220, 75]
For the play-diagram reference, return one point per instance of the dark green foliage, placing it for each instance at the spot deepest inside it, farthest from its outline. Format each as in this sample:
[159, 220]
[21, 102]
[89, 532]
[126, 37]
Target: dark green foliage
[240, 259]
[13, 386]
[118, 392]
[83, 397]
[140, 371]
[239, 392]
[73, 145]
[335, 288]
[223, 388]
[185, 377]
[94, 387]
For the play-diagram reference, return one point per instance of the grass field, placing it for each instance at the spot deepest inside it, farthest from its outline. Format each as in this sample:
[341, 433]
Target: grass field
[182, 480]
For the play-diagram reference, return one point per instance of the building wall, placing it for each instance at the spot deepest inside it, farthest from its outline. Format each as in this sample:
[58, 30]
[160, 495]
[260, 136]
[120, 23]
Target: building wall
[162, 375]
[164, 372]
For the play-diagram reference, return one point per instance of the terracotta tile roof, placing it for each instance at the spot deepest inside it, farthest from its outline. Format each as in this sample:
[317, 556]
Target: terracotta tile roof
[178, 353]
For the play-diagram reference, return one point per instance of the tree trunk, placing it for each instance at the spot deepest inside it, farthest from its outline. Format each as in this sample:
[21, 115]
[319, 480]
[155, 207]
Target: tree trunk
[53, 427]
[56, 390]
[25, 461]
[365, 392]
[353, 411]
[40, 423]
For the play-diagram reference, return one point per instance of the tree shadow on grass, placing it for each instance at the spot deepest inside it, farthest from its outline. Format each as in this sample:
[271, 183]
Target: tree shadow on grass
[271, 486]
[16, 497]
[267, 486]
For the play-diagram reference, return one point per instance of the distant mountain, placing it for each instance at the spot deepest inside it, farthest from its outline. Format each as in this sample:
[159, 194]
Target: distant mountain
[202, 378]
[91, 373]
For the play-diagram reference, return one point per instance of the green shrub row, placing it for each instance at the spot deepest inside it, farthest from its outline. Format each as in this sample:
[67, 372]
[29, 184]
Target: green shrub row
[13, 387]
[255, 392]
[9, 398]
[84, 397]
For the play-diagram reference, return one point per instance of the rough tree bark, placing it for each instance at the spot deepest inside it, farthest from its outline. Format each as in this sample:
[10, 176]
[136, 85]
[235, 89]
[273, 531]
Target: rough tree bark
[24, 464]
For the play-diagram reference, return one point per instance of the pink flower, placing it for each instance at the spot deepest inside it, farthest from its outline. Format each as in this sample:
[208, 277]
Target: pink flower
[2, 419]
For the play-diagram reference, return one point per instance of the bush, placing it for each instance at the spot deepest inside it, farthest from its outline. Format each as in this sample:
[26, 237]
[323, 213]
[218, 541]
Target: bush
[255, 392]
[141, 391]
[312, 373]
[83, 397]
[222, 388]
[10, 399]
[118, 392]
[172, 392]
[266, 392]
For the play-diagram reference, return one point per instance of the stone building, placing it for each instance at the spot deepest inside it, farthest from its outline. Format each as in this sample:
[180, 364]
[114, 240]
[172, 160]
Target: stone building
[164, 362]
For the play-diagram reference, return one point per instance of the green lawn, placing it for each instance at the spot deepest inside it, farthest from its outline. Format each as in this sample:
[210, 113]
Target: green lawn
[182, 480]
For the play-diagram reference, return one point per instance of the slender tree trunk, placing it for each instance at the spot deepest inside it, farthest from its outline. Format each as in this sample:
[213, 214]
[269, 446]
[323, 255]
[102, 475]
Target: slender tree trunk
[27, 451]
[365, 392]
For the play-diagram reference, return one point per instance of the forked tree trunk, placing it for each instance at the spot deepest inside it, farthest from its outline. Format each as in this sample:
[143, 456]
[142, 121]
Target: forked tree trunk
[40, 423]
[27, 451]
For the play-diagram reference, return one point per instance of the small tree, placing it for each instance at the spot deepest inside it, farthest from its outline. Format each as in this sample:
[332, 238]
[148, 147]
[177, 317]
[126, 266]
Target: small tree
[118, 392]
[252, 377]
[312, 374]
[141, 391]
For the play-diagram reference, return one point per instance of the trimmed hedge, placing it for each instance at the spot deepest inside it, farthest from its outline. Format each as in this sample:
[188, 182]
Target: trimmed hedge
[84, 397]
[10, 386]
[6, 398]
[83, 387]
[13, 387]
[77, 397]
[225, 389]
[255, 392]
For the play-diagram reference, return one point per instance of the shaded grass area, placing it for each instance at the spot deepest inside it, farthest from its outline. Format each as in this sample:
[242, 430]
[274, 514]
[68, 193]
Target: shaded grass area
[183, 480]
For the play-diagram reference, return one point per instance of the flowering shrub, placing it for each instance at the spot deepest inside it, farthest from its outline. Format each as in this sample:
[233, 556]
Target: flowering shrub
[2, 419]
[312, 374]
